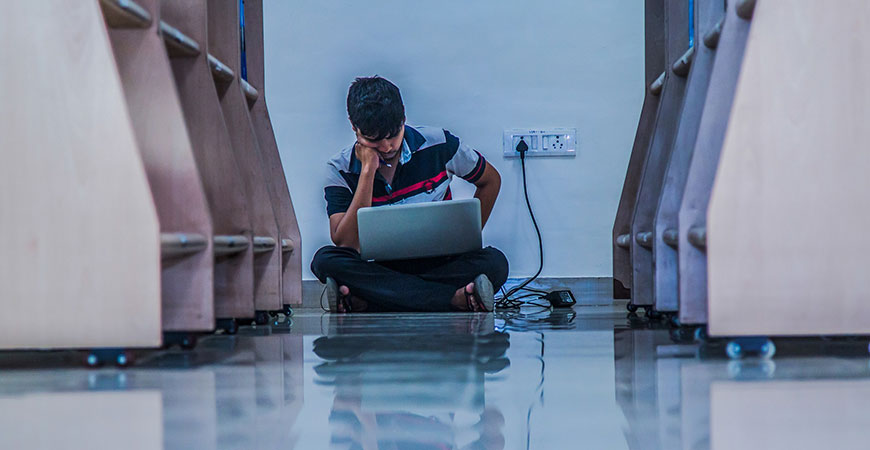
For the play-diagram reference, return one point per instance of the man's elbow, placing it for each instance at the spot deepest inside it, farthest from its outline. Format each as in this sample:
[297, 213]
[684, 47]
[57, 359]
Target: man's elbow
[338, 241]
[343, 241]
[335, 237]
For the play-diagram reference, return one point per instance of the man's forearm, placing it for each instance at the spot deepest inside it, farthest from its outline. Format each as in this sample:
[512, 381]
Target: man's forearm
[487, 194]
[347, 231]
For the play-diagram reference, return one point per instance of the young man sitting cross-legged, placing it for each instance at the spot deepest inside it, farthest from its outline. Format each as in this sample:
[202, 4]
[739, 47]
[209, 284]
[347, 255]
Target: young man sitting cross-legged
[392, 163]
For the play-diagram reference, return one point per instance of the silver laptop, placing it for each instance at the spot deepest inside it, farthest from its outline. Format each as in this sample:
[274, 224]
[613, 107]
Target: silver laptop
[419, 230]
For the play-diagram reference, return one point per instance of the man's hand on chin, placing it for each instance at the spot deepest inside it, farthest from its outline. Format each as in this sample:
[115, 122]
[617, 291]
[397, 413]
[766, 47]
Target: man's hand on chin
[368, 157]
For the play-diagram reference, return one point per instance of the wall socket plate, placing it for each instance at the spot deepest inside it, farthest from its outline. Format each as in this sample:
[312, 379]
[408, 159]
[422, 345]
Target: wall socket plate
[541, 141]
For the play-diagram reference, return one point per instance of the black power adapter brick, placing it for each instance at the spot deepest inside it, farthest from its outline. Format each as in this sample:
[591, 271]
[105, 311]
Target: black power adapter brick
[561, 299]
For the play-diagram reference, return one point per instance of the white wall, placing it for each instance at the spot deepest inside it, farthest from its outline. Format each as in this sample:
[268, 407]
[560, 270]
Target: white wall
[474, 67]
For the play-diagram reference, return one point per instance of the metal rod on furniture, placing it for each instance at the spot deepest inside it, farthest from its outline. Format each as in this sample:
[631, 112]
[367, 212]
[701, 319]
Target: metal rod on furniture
[671, 236]
[623, 241]
[656, 87]
[250, 91]
[711, 39]
[745, 8]
[263, 244]
[229, 245]
[644, 239]
[180, 244]
[681, 66]
[698, 237]
[287, 245]
[219, 70]
[125, 14]
[177, 43]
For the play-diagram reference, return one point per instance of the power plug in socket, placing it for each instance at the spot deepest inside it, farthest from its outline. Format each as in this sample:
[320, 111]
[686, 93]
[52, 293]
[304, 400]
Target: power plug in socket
[531, 141]
[541, 142]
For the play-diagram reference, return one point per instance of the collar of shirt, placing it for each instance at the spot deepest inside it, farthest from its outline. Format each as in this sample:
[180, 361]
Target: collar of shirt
[406, 153]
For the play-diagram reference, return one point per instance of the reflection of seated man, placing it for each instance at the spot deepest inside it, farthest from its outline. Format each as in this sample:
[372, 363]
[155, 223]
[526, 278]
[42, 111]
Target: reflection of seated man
[390, 163]
[420, 391]
[360, 430]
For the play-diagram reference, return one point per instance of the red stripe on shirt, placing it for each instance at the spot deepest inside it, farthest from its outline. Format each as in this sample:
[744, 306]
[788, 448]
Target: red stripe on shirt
[436, 179]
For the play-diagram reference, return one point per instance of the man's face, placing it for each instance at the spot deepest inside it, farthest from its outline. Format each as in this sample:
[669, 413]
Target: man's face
[388, 149]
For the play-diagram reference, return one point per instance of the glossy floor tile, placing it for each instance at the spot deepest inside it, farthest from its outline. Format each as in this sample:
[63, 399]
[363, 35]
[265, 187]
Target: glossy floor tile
[590, 377]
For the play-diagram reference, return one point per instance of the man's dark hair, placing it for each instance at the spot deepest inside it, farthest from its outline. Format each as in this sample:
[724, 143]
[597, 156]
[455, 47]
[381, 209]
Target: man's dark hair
[375, 107]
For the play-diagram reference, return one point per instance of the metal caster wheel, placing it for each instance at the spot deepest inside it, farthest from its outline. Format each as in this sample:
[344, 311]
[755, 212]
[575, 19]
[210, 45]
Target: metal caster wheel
[288, 310]
[734, 350]
[123, 360]
[97, 358]
[631, 307]
[261, 318]
[701, 334]
[635, 322]
[652, 314]
[740, 348]
[682, 335]
[186, 341]
[281, 325]
[229, 326]
[92, 360]
[189, 344]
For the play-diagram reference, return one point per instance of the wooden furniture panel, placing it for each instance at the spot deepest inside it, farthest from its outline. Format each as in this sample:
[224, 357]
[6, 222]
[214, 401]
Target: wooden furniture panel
[708, 14]
[786, 251]
[224, 44]
[158, 122]
[216, 161]
[702, 169]
[80, 231]
[291, 264]
[655, 65]
[658, 154]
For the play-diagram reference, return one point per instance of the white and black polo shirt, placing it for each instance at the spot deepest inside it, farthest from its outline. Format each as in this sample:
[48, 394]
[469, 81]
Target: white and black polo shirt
[430, 158]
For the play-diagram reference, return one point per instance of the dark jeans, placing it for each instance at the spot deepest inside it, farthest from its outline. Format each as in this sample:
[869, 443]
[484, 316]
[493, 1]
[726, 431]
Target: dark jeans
[426, 284]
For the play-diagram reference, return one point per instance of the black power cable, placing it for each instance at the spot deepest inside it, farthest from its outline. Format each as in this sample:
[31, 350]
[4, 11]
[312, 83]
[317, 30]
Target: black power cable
[506, 301]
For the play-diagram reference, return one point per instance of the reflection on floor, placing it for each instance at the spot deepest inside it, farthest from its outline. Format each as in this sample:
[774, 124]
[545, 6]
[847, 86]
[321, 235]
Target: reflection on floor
[590, 377]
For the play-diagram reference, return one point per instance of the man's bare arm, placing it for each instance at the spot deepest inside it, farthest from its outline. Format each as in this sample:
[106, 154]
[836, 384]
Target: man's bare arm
[488, 186]
[343, 227]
